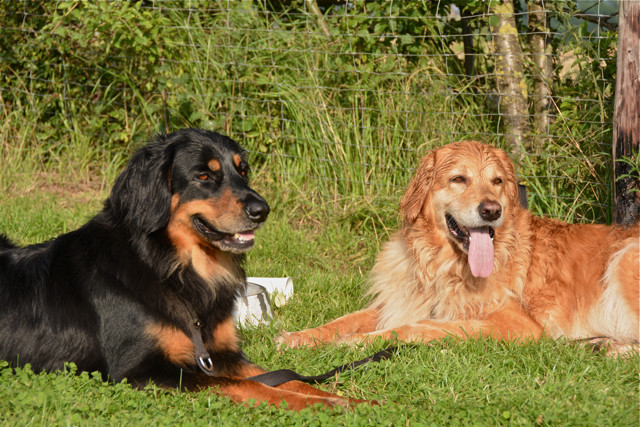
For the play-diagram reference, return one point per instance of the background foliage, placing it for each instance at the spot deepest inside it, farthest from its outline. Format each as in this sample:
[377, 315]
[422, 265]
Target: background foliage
[335, 122]
[346, 114]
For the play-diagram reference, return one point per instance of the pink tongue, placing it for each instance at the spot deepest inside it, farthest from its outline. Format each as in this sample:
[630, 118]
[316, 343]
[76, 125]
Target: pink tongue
[480, 252]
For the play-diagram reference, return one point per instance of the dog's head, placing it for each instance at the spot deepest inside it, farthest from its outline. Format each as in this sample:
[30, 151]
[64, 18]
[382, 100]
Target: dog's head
[193, 184]
[466, 190]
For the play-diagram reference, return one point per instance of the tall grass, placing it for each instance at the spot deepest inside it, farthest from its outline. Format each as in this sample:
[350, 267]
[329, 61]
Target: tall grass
[340, 117]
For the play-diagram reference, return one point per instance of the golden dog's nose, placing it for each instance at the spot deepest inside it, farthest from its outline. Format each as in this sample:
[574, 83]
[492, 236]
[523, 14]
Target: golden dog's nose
[490, 210]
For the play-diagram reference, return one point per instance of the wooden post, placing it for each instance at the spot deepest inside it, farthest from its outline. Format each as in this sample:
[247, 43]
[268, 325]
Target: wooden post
[467, 43]
[313, 6]
[542, 71]
[626, 120]
[510, 76]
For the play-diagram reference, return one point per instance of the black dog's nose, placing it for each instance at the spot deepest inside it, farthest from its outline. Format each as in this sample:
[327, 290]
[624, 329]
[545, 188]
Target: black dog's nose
[489, 210]
[257, 210]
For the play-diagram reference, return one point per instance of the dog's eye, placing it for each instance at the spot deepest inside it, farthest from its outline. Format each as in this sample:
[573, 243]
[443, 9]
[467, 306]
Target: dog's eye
[497, 181]
[458, 179]
[203, 177]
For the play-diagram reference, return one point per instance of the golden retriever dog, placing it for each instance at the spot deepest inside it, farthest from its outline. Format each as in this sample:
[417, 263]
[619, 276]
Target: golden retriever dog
[470, 261]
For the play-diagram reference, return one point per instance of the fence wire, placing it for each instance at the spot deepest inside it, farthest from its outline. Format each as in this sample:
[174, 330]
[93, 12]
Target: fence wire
[342, 96]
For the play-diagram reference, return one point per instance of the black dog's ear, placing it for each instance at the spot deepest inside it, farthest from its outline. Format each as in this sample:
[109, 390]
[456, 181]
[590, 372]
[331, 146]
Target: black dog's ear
[141, 196]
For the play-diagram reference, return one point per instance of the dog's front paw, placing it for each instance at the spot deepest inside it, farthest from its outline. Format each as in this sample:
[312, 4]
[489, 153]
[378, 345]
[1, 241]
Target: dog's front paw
[293, 340]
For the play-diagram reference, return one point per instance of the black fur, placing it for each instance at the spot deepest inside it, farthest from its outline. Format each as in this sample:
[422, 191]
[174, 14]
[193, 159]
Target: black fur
[88, 296]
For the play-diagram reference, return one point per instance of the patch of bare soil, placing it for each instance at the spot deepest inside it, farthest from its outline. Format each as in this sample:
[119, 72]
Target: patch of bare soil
[57, 185]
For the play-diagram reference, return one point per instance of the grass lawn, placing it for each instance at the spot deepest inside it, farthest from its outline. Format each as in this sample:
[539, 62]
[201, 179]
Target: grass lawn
[328, 251]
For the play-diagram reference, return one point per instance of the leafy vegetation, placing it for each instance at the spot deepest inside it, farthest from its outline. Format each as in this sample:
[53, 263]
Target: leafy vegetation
[335, 125]
[347, 114]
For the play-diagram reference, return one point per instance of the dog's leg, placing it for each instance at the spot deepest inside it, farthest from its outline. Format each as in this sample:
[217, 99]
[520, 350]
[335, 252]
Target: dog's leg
[308, 390]
[249, 370]
[508, 324]
[241, 391]
[424, 332]
[360, 322]
[297, 396]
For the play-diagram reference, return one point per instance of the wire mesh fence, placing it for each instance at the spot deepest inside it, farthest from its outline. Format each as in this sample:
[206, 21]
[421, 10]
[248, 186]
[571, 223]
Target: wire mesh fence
[339, 97]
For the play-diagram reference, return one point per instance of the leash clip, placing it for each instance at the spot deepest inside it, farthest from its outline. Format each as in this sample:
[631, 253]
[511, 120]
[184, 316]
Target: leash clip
[203, 358]
[205, 364]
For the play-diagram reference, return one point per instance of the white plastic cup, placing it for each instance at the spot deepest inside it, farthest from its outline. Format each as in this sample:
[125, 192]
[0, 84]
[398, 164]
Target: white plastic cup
[252, 306]
[280, 288]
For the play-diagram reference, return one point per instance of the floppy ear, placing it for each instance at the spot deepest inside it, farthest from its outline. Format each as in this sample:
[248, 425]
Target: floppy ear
[419, 187]
[141, 197]
[511, 183]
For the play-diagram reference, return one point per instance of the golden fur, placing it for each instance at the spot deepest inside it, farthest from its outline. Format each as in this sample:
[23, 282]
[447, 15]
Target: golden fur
[546, 276]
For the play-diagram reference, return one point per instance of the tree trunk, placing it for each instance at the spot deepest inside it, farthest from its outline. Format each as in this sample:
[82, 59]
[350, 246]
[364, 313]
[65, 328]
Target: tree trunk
[510, 76]
[626, 120]
[467, 42]
[540, 56]
[313, 6]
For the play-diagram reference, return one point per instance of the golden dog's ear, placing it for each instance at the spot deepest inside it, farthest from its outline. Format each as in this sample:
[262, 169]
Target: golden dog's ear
[414, 197]
[511, 183]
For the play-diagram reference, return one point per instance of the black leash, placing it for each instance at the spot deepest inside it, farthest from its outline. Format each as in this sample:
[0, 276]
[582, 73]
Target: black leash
[281, 376]
[203, 358]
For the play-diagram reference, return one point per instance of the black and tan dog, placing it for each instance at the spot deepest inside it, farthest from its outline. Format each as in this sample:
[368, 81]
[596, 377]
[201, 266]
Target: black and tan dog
[145, 290]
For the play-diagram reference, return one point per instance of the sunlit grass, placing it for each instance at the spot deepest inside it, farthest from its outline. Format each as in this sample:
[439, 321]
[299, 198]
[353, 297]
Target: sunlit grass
[472, 382]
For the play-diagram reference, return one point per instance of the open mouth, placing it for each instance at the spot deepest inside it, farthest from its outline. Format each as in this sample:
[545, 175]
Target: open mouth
[233, 242]
[478, 242]
[462, 234]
